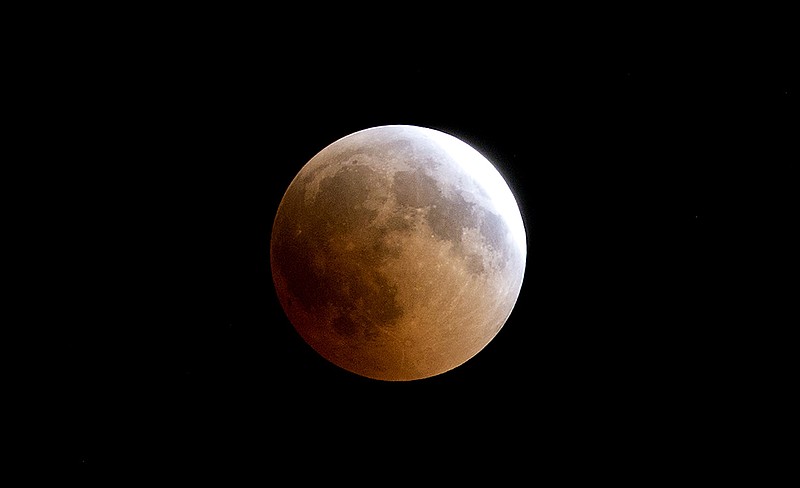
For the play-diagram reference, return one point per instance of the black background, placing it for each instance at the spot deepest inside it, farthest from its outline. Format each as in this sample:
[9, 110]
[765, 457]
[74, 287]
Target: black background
[637, 159]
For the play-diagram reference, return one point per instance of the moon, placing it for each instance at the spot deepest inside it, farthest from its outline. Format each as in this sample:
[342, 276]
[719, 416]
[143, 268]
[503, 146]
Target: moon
[398, 252]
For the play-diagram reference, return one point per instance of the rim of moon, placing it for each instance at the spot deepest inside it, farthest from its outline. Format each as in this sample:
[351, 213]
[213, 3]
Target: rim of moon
[398, 252]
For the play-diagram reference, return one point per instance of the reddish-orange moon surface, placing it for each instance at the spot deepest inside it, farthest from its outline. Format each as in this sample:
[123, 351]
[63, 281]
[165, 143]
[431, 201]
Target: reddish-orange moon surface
[398, 252]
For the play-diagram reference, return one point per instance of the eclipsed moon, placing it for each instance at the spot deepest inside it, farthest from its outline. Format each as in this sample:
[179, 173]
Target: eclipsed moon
[398, 252]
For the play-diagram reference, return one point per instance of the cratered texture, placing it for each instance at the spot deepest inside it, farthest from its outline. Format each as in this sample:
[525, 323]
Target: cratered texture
[398, 252]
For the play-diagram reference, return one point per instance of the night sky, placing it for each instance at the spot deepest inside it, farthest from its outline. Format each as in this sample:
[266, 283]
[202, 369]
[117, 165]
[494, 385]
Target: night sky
[634, 165]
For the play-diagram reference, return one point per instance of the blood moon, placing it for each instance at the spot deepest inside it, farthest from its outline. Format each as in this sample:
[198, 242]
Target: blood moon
[398, 252]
